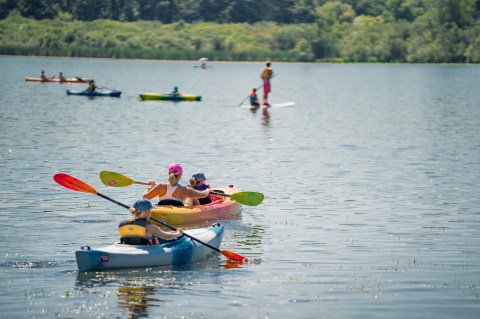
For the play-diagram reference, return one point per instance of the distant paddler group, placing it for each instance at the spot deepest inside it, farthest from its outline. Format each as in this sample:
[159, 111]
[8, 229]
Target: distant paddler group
[61, 79]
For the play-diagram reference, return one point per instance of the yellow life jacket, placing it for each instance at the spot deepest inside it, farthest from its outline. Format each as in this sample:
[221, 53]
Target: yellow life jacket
[133, 232]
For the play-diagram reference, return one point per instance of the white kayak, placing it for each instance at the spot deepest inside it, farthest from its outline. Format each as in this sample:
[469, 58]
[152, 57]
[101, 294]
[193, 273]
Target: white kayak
[181, 251]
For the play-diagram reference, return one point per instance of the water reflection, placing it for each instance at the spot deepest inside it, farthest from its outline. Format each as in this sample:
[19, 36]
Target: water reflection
[137, 299]
[265, 115]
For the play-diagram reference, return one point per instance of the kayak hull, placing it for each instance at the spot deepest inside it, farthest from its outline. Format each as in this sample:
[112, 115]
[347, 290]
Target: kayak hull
[169, 97]
[182, 251]
[216, 210]
[112, 93]
[53, 80]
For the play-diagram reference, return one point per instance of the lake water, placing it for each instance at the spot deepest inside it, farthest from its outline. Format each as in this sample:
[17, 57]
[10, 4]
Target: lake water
[371, 183]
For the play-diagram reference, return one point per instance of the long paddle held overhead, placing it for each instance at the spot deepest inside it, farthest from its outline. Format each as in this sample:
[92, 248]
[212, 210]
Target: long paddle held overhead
[118, 180]
[77, 185]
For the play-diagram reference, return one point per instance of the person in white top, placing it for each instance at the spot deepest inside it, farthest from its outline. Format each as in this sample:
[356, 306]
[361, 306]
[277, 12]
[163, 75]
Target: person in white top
[172, 193]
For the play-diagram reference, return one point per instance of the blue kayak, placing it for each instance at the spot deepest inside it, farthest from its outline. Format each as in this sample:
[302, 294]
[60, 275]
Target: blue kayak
[113, 93]
[181, 251]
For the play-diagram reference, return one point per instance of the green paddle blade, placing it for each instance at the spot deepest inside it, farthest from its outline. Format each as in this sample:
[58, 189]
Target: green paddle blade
[248, 198]
[115, 179]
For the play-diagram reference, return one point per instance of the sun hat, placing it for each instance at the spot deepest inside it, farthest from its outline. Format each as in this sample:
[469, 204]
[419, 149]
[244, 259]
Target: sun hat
[199, 177]
[175, 167]
[142, 205]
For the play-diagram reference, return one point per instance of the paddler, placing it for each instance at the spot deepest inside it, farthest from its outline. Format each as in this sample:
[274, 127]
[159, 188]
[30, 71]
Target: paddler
[91, 86]
[172, 193]
[137, 230]
[61, 77]
[254, 99]
[267, 74]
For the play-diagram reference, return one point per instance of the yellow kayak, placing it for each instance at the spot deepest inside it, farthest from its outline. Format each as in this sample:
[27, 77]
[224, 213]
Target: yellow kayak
[216, 210]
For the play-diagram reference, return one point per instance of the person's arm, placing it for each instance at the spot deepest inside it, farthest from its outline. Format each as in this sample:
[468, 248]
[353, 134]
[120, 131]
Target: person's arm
[157, 231]
[193, 193]
[152, 190]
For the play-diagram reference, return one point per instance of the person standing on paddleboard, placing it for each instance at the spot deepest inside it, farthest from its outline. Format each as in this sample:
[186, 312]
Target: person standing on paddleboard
[266, 75]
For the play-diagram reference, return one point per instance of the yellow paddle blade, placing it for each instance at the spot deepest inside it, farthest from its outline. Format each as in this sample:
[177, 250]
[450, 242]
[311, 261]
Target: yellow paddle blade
[115, 179]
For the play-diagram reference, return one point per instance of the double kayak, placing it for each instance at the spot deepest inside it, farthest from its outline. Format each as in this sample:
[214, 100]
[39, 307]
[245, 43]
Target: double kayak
[54, 80]
[113, 93]
[181, 251]
[169, 97]
[216, 210]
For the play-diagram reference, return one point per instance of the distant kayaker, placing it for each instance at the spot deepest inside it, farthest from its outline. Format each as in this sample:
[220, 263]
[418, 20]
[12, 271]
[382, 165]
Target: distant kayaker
[254, 98]
[175, 91]
[172, 193]
[91, 86]
[198, 182]
[266, 75]
[137, 230]
[61, 77]
[42, 76]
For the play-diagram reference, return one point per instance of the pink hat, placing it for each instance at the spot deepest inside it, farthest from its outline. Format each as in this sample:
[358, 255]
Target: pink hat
[175, 167]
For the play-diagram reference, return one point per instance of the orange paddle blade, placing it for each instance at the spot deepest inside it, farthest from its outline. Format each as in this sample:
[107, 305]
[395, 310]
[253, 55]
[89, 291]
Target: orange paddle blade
[72, 183]
[233, 256]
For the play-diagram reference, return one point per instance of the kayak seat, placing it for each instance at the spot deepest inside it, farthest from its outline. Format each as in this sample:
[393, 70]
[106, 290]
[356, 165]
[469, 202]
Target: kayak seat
[169, 202]
[204, 201]
[134, 241]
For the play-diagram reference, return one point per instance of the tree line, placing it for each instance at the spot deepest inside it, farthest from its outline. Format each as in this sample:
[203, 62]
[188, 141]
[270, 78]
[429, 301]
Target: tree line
[426, 31]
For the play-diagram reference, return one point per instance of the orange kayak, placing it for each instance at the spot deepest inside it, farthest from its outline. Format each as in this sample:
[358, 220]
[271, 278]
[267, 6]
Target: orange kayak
[53, 80]
[190, 214]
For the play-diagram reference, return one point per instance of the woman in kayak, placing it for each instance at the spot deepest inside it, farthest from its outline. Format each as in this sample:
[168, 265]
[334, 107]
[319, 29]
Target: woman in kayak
[172, 193]
[137, 230]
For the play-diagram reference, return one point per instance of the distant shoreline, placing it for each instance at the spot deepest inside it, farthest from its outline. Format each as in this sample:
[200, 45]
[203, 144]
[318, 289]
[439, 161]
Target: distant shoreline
[240, 61]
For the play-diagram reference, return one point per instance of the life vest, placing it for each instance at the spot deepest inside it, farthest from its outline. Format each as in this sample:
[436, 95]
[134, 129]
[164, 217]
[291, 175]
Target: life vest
[133, 232]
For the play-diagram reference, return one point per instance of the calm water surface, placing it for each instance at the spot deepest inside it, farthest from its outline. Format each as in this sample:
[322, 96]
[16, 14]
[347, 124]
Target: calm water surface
[371, 183]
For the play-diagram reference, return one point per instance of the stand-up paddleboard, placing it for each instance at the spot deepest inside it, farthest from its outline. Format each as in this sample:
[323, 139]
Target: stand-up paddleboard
[272, 106]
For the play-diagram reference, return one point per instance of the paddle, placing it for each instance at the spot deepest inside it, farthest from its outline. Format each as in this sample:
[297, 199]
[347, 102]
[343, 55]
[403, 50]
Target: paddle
[83, 80]
[72, 183]
[119, 180]
[257, 90]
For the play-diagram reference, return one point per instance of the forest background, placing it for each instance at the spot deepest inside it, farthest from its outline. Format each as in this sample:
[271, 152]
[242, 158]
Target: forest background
[402, 31]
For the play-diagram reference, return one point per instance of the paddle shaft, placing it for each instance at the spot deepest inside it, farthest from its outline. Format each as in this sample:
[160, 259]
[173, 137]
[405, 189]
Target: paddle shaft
[221, 194]
[164, 224]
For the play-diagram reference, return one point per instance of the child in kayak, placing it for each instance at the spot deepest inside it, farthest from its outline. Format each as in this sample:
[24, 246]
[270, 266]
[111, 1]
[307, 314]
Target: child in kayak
[197, 181]
[254, 99]
[137, 230]
[172, 193]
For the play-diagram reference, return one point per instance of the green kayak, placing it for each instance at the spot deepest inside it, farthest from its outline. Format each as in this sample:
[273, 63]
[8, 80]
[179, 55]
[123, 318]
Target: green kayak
[169, 97]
